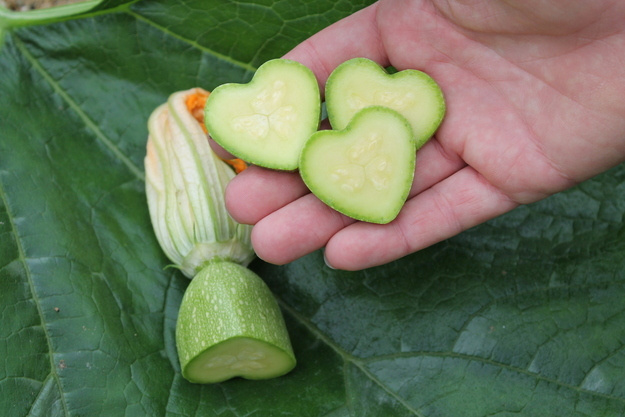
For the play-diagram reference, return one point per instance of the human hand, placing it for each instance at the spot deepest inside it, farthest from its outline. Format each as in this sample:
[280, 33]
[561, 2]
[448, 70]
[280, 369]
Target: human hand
[535, 104]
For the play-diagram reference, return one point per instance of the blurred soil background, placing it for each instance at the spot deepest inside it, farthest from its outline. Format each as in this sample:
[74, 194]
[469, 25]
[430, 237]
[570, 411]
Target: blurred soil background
[25, 5]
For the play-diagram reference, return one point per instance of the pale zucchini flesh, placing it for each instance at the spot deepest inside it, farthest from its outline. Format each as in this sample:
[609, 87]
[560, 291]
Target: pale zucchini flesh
[366, 170]
[360, 82]
[238, 356]
[266, 121]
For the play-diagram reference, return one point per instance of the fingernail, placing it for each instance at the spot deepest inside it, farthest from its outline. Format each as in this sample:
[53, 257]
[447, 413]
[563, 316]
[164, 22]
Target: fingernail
[326, 261]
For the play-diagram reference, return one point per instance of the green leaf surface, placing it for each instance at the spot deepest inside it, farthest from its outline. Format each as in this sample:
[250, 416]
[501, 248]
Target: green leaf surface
[522, 316]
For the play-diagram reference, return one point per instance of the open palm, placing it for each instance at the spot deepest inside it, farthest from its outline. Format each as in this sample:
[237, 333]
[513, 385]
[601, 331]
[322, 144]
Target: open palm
[535, 93]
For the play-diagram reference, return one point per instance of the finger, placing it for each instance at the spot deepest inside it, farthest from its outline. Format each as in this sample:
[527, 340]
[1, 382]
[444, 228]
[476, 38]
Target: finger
[257, 192]
[296, 229]
[291, 230]
[351, 37]
[458, 203]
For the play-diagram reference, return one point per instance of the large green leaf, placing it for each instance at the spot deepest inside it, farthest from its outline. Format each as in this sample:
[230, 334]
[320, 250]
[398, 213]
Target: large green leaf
[522, 316]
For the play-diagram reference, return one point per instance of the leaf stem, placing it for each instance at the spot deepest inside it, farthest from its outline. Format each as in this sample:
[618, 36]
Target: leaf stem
[9, 18]
[82, 9]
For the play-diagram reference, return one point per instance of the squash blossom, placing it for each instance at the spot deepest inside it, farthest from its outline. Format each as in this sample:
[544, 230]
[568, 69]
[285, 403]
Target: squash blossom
[229, 324]
[185, 185]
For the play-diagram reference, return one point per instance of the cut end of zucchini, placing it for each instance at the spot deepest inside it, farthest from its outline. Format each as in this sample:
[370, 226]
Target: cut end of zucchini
[239, 357]
[229, 324]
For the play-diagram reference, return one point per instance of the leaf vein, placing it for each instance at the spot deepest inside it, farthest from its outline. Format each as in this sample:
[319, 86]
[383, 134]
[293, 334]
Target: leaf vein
[499, 365]
[348, 358]
[90, 124]
[192, 43]
[37, 302]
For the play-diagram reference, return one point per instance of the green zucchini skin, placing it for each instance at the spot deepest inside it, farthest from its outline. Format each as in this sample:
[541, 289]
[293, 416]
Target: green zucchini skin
[230, 325]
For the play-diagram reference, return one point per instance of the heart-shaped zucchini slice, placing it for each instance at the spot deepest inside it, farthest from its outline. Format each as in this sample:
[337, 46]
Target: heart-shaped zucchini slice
[360, 82]
[266, 121]
[364, 171]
